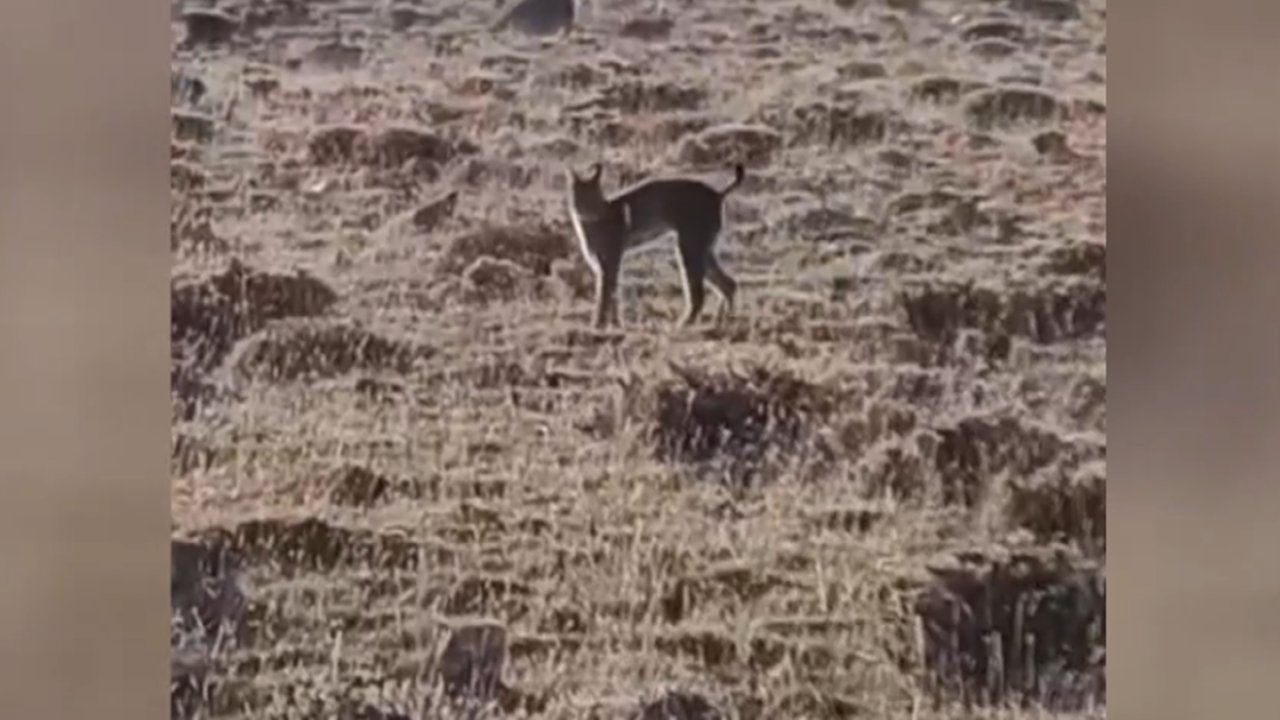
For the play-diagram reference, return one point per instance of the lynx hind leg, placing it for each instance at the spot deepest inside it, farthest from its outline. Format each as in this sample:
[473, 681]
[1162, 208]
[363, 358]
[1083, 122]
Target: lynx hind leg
[726, 287]
[694, 247]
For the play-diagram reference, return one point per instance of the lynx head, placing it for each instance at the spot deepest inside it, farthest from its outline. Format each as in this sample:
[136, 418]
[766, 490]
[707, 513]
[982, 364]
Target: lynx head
[586, 194]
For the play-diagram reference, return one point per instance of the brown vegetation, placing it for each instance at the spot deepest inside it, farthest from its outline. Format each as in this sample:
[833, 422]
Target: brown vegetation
[409, 481]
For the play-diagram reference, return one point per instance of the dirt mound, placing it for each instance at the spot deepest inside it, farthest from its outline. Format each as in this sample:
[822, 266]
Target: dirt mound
[261, 80]
[485, 85]
[1053, 145]
[496, 280]
[1048, 312]
[635, 96]
[739, 419]
[358, 486]
[208, 316]
[336, 55]
[186, 177]
[939, 211]
[648, 29]
[1063, 506]
[1078, 258]
[407, 14]
[185, 151]
[335, 143]
[276, 14]
[191, 126]
[533, 249]
[840, 124]
[483, 171]
[1012, 106]
[806, 657]
[726, 582]
[943, 89]
[314, 545]
[829, 224]
[1022, 626]
[577, 76]
[389, 148]
[994, 48]
[398, 145]
[992, 27]
[316, 349]
[538, 17]
[207, 27]
[435, 212]
[862, 70]
[1052, 10]
[720, 145]
[489, 280]
[706, 648]
[974, 450]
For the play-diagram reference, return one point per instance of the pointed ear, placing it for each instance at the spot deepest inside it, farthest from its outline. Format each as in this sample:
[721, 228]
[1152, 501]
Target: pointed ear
[596, 169]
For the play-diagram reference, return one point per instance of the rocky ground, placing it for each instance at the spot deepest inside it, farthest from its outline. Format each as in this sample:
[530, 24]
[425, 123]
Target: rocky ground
[409, 479]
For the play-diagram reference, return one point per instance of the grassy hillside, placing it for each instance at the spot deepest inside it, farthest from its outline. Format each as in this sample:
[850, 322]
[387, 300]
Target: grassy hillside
[881, 484]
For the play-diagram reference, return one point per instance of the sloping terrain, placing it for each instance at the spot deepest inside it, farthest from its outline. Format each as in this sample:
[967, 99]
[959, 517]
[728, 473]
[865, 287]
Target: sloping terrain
[408, 476]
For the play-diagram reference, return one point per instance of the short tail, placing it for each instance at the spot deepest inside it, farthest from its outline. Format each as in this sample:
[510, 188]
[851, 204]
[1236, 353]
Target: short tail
[739, 172]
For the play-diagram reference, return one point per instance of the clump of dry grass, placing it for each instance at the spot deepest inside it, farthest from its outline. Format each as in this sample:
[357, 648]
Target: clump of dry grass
[534, 249]
[752, 145]
[386, 148]
[1066, 506]
[1012, 105]
[208, 316]
[311, 349]
[208, 27]
[738, 418]
[1026, 626]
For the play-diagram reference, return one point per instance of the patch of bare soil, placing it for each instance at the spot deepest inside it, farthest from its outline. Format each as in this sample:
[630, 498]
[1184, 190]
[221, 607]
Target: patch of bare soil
[412, 481]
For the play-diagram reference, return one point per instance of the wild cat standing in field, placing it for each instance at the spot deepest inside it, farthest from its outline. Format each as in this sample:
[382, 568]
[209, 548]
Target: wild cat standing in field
[608, 227]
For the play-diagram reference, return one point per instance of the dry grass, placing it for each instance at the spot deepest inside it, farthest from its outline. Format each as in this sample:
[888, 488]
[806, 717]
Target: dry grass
[877, 492]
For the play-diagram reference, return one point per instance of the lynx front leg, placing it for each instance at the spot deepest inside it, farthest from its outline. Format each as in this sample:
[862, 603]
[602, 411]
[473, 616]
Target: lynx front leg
[607, 266]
